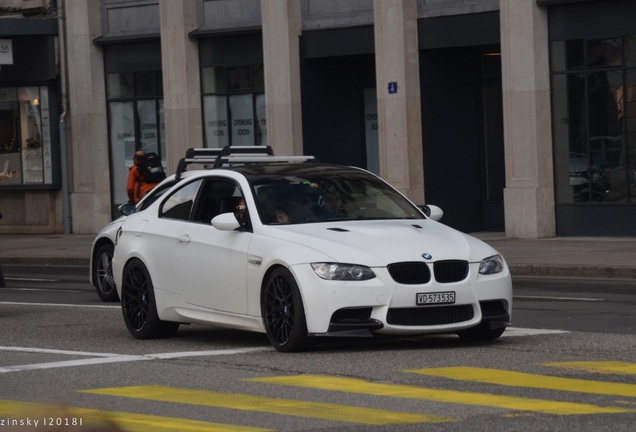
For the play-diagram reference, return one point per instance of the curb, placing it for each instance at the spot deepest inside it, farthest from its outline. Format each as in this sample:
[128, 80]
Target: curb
[45, 261]
[573, 271]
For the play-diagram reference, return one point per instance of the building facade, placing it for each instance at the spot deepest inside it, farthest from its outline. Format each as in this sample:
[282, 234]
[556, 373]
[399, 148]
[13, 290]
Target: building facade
[511, 115]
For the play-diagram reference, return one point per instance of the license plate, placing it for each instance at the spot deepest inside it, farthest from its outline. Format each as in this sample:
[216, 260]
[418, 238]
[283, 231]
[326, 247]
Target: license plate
[436, 298]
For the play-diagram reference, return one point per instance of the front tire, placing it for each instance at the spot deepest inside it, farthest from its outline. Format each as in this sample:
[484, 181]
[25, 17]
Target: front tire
[283, 312]
[103, 273]
[139, 307]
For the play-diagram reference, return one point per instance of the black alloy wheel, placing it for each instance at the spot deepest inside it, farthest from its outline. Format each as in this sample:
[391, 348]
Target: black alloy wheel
[139, 307]
[103, 273]
[283, 312]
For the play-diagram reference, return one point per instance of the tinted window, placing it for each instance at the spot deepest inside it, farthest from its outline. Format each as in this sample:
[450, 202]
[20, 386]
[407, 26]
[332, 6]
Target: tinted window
[323, 196]
[218, 196]
[179, 205]
[155, 194]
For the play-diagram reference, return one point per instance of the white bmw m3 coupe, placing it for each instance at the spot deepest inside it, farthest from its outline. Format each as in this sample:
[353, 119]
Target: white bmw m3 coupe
[297, 249]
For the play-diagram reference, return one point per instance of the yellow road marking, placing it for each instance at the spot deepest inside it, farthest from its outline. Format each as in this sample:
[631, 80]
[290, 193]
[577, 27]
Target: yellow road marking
[609, 367]
[519, 379]
[349, 385]
[289, 407]
[25, 414]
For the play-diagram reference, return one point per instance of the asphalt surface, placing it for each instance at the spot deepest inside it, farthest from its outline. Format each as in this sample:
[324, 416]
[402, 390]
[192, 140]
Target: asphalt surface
[559, 256]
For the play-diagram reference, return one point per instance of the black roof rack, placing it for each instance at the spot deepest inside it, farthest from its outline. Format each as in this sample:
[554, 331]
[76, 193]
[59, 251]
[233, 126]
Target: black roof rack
[235, 155]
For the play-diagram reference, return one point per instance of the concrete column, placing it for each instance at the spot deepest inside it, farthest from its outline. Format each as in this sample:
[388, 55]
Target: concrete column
[281, 29]
[87, 130]
[398, 93]
[181, 84]
[529, 193]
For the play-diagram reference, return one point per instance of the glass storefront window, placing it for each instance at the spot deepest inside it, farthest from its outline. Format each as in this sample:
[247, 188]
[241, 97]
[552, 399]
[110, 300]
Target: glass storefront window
[122, 146]
[630, 51]
[242, 114]
[216, 127]
[148, 126]
[234, 106]
[213, 80]
[594, 121]
[25, 136]
[119, 85]
[603, 52]
[261, 120]
[136, 121]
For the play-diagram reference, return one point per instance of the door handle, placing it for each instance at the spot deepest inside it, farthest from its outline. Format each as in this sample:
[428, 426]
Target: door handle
[184, 239]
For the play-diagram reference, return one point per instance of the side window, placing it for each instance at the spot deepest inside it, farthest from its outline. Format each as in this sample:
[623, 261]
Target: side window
[179, 205]
[218, 196]
[155, 194]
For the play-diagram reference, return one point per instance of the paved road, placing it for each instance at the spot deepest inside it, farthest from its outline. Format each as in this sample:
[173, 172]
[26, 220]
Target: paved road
[551, 372]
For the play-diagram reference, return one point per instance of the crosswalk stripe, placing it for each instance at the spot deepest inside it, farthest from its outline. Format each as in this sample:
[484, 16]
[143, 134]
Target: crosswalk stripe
[609, 367]
[349, 385]
[289, 407]
[520, 379]
[26, 414]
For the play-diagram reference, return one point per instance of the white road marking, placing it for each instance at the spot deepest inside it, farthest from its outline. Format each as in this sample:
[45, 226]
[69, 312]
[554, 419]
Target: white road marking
[104, 358]
[30, 279]
[116, 358]
[61, 305]
[43, 289]
[584, 299]
[516, 331]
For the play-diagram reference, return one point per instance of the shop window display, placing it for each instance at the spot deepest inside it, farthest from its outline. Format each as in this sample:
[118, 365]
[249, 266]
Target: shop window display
[136, 121]
[594, 120]
[234, 106]
[25, 144]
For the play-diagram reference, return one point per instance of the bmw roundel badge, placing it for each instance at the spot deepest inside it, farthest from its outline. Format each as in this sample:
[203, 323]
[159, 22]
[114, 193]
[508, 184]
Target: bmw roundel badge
[426, 256]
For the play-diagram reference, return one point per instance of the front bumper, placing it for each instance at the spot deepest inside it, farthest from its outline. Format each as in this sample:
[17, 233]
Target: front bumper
[383, 306]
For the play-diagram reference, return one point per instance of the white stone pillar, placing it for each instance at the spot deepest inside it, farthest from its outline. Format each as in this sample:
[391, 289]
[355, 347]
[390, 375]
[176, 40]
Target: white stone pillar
[398, 93]
[281, 29]
[181, 84]
[529, 193]
[87, 130]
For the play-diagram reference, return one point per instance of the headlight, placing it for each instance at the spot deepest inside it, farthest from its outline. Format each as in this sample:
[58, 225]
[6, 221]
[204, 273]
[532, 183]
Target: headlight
[337, 271]
[491, 265]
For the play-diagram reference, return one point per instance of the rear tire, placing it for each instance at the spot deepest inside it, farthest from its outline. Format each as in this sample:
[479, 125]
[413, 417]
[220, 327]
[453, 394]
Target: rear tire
[139, 307]
[103, 273]
[283, 312]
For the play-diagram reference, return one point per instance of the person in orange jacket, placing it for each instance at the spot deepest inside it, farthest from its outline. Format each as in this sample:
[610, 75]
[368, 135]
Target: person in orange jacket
[136, 186]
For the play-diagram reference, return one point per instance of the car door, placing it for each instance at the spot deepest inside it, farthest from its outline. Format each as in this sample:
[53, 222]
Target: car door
[211, 264]
[159, 236]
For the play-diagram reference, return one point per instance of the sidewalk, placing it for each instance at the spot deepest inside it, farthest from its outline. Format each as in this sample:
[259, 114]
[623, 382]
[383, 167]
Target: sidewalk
[560, 256]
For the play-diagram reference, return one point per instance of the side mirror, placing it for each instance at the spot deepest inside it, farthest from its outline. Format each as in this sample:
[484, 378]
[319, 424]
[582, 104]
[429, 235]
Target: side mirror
[432, 211]
[226, 222]
[127, 209]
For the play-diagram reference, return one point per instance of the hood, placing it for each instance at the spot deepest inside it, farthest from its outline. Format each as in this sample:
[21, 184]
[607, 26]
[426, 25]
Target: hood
[378, 243]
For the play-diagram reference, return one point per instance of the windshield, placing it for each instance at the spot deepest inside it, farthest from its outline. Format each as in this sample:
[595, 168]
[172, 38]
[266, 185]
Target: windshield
[319, 197]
